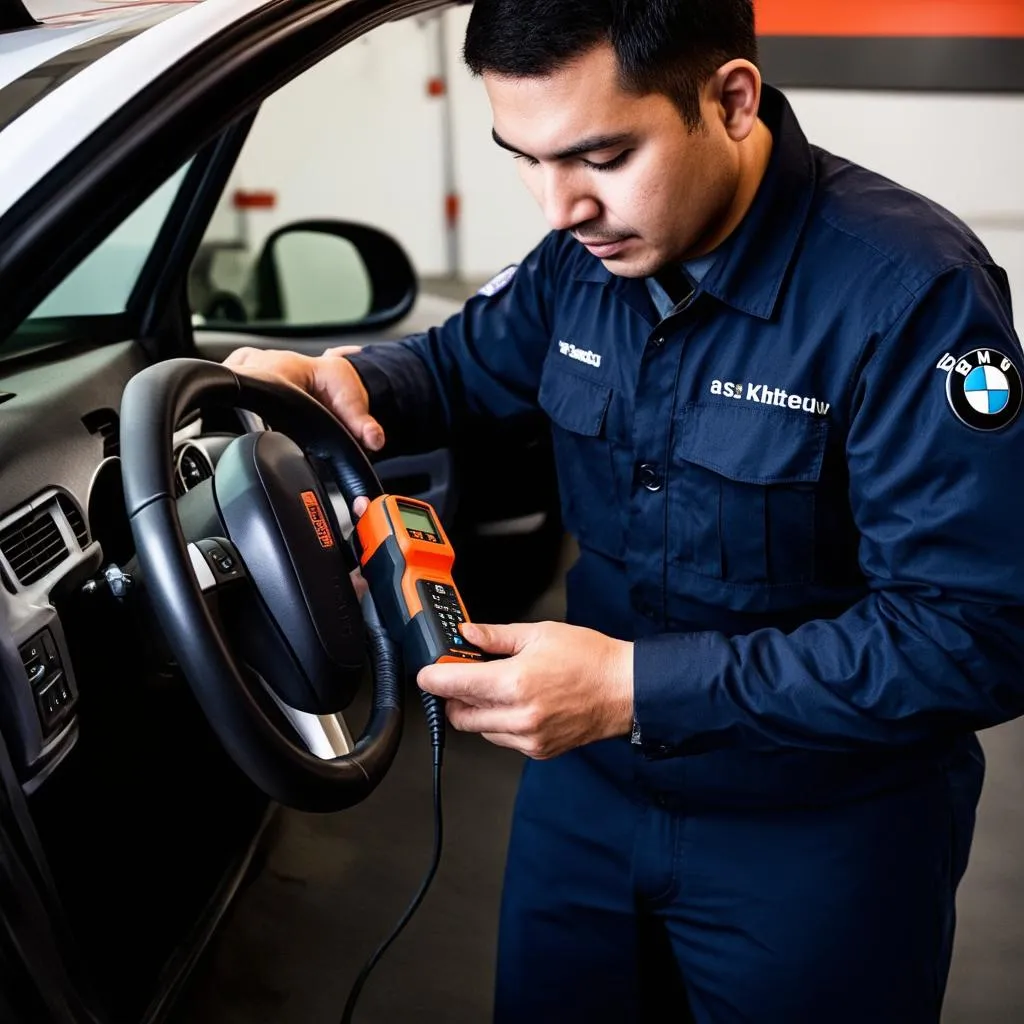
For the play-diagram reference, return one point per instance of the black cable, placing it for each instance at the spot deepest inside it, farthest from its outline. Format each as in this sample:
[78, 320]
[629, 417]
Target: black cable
[435, 723]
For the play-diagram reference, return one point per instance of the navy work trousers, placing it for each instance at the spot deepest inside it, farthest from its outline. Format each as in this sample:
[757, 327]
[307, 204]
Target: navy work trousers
[617, 909]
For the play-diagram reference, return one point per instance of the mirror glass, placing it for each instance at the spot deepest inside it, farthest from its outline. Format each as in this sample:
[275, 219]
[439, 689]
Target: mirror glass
[302, 279]
[321, 279]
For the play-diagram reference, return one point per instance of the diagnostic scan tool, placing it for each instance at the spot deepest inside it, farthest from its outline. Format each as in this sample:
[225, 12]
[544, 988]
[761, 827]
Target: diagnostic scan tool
[406, 560]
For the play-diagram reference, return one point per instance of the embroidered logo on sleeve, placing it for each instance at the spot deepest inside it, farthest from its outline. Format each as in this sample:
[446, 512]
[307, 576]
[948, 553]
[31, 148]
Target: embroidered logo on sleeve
[499, 282]
[983, 388]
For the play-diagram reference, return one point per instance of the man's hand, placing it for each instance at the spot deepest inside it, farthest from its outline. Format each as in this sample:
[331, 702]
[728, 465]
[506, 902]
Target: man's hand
[561, 686]
[329, 378]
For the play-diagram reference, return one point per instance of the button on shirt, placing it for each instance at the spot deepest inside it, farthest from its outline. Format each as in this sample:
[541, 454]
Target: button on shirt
[815, 498]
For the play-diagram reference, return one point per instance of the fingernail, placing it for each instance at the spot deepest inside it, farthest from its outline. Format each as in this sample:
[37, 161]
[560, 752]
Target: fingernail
[374, 438]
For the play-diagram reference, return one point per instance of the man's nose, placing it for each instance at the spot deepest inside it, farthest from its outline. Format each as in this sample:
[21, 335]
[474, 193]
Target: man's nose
[565, 204]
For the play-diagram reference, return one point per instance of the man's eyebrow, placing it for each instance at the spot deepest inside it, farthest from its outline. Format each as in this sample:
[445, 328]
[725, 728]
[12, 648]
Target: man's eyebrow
[589, 145]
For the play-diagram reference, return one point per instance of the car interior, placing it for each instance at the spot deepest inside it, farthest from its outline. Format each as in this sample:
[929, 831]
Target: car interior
[146, 826]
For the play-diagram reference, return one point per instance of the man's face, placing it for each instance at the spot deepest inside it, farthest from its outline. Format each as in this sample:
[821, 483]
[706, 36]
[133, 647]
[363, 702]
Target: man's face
[622, 172]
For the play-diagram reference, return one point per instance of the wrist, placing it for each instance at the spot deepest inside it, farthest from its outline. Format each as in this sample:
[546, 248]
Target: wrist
[620, 691]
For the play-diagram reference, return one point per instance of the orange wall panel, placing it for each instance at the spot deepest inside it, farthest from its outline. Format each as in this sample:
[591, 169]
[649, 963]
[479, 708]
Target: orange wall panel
[965, 18]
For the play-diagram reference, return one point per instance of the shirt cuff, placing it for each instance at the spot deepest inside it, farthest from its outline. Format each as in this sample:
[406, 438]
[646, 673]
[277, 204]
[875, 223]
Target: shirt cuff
[674, 706]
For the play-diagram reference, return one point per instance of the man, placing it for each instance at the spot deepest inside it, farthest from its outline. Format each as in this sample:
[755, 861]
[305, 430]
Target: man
[784, 394]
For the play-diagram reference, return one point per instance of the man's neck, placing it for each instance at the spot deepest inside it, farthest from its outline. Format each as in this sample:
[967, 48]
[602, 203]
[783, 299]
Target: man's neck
[755, 153]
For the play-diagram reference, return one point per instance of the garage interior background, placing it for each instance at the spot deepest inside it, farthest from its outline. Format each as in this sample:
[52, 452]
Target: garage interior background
[929, 93]
[394, 132]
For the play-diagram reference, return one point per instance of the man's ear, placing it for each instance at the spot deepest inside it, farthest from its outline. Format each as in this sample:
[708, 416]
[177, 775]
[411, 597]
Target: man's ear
[735, 88]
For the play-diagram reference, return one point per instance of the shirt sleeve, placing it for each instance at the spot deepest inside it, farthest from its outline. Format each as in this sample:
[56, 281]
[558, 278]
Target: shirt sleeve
[483, 361]
[937, 495]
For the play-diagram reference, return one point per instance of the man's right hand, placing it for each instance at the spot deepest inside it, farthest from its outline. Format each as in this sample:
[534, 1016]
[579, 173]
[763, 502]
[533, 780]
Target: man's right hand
[330, 378]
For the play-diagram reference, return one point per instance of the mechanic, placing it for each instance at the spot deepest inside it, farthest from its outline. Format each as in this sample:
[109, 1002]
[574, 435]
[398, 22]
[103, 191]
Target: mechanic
[785, 395]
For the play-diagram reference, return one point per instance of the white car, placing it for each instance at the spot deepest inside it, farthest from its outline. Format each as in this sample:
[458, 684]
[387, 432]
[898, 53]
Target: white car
[153, 641]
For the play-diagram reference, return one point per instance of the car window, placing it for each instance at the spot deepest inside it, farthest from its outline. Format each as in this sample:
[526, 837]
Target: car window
[296, 239]
[102, 283]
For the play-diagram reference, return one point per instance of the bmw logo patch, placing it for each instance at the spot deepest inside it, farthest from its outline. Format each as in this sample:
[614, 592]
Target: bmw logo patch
[983, 388]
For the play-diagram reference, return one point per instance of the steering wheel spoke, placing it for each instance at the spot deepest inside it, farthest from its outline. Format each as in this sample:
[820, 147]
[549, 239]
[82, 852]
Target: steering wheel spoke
[325, 736]
[216, 563]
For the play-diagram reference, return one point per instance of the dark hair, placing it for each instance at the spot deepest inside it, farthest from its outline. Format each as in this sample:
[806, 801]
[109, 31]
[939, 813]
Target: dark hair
[662, 46]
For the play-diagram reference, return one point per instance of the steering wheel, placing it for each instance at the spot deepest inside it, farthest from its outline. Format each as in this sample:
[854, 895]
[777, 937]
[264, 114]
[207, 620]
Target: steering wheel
[248, 575]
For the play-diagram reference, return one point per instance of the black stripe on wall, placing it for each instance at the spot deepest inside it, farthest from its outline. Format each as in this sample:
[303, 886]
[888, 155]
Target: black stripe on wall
[921, 63]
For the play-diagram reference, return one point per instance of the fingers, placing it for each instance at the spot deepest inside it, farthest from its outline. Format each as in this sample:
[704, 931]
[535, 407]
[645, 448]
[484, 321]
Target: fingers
[502, 739]
[238, 357]
[338, 386]
[359, 583]
[331, 380]
[508, 639]
[268, 364]
[470, 718]
[476, 684]
[370, 434]
[359, 506]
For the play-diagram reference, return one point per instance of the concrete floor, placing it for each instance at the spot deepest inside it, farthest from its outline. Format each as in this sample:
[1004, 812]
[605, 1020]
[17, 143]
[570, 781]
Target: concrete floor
[334, 886]
[986, 984]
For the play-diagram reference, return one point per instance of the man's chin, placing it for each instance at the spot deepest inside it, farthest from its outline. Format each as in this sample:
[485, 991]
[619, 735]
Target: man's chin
[631, 265]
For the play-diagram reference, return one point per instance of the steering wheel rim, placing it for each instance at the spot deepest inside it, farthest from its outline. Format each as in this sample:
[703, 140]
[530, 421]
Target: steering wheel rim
[154, 401]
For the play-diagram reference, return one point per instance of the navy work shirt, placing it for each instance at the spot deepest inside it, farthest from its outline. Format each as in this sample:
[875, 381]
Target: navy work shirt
[801, 494]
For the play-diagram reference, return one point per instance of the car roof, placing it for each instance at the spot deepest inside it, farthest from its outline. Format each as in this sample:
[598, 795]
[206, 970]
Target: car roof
[79, 63]
[62, 27]
[64, 12]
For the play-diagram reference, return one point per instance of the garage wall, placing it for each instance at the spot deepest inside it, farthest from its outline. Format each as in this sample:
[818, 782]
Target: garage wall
[965, 152]
[355, 137]
[360, 137]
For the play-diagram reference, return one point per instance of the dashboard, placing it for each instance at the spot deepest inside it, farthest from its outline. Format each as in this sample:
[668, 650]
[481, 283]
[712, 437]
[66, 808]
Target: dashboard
[64, 531]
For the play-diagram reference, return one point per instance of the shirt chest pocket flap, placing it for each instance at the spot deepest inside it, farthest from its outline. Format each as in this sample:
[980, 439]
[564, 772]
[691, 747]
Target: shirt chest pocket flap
[742, 494]
[578, 409]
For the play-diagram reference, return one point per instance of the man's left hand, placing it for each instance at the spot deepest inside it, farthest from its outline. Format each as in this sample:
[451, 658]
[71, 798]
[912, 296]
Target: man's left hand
[558, 687]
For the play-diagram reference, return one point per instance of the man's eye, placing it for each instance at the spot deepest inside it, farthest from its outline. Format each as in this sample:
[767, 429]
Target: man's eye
[530, 161]
[609, 165]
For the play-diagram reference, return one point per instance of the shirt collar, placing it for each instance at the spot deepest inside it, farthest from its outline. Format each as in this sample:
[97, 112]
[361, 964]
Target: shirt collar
[751, 265]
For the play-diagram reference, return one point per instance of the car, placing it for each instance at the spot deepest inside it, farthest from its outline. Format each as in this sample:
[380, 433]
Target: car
[136, 792]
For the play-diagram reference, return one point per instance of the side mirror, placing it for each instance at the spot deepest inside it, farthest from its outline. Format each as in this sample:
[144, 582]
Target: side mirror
[319, 276]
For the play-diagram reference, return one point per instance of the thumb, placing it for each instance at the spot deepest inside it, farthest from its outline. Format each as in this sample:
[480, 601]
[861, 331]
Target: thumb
[338, 386]
[495, 639]
[368, 430]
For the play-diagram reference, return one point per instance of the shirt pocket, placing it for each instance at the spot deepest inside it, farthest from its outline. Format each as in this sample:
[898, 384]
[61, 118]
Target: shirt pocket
[578, 410]
[742, 493]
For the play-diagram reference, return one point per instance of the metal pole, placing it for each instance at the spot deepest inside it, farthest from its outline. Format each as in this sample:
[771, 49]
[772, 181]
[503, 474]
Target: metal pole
[451, 200]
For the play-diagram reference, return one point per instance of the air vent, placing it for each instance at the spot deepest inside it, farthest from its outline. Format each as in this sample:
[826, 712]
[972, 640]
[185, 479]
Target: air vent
[33, 546]
[105, 423]
[75, 519]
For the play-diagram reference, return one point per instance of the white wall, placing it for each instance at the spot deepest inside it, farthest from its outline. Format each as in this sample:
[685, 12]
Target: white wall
[500, 221]
[358, 137]
[355, 138]
[965, 152]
